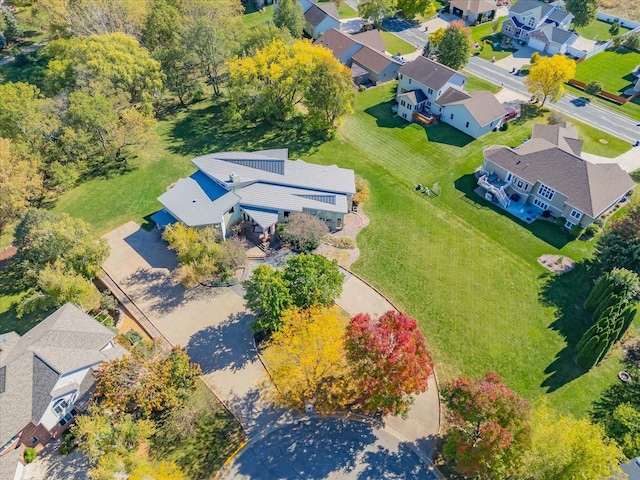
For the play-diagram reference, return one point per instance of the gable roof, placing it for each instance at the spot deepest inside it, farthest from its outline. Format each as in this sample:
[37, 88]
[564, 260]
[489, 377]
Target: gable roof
[371, 38]
[562, 135]
[559, 15]
[368, 58]
[483, 106]
[539, 9]
[590, 188]
[452, 95]
[415, 96]
[65, 341]
[550, 33]
[428, 72]
[336, 41]
[474, 6]
[316, 13]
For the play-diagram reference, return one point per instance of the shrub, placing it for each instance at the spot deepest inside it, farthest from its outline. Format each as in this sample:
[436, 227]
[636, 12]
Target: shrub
[304, 232]
[534, 58]
[555, 118]
[504, 127]
[592, 229]
[340, 242]
[362, 191]
[30, 454]
[68, 443]
[633, 42]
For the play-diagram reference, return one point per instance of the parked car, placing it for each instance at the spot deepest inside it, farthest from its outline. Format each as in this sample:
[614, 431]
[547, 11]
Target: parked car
[510, 115]
[399, 58]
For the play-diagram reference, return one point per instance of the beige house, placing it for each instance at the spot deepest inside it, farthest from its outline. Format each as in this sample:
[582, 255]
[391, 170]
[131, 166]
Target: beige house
[474, 11]
[546, 174]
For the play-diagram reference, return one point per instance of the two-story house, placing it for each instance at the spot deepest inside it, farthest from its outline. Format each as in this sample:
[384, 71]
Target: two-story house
[46, 376]
[547, 174]
[319, 17]
[540, 25]
[426, 86]
[363, 54]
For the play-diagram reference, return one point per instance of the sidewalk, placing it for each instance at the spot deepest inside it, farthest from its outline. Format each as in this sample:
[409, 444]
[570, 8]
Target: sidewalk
[628, 161]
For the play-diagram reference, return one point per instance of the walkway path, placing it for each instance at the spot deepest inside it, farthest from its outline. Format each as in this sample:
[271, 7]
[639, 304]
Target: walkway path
[628, 161]
[24, 51]
[592, 114]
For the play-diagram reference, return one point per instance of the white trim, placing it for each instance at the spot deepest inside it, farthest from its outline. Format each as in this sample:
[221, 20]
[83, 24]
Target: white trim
[546, 192]
[577, 214]
[540, 204]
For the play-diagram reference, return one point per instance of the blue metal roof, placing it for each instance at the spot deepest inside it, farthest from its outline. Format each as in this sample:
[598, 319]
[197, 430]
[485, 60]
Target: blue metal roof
[163, 218]
[212, 189]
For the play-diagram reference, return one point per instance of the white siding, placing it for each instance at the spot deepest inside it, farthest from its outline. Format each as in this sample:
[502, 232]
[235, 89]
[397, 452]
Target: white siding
[461, 117]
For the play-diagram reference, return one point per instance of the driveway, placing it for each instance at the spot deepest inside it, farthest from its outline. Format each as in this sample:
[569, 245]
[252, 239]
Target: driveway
[50, 465]
[517, 59]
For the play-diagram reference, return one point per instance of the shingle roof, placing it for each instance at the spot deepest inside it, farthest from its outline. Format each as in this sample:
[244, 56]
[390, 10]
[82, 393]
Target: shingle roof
[372, 39]
[278, 198]
[317, 14]
[416, 96]
[452, 95]
[357, 70]
[540, 8]
[429, 73]
[632, 468]
[65, 341]
[550, 33]
[368, 58]
[559, 15]
[483, 106]
[336, 41]
[590, 188]
[562, 135]
[9, 462]
[474, 6]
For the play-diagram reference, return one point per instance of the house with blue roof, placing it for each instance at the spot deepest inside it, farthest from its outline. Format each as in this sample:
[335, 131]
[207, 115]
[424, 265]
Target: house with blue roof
[262, 188]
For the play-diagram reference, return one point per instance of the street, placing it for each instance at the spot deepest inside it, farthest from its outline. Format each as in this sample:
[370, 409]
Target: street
[569, 105]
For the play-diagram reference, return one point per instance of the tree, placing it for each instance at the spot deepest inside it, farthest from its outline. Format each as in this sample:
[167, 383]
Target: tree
[624, 427]
[20, 183]
[180, 71]
[489, 426]
[162, 25]
[614, 29]
[306, 359]
[262, 35]
[593, 88]
[632, 42]
[455, 46]
[619, 245]
[303, 231]
[548, 76]
[144, 469]
[376, 10]
[112, 62]
[436, 37]
[3, 41]
[12, 30]
[390, 360]
[362, 191]
[288, 14]
[267, 295]
[411, 8]
[584, 11]
[43, 239]
[535, 56]
[563, 447]
[148, 383]
[313, 280]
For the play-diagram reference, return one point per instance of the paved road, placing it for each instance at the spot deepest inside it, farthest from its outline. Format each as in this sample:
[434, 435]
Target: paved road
[619, 125]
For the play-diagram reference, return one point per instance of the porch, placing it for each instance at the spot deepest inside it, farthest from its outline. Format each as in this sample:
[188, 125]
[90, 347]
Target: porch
[497, 191]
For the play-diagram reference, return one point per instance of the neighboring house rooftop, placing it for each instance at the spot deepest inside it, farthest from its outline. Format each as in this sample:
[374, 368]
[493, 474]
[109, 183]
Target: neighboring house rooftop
[336, 41]
[65, 341]
[540, 9]
[632, 468]
[562, 135]
[483, 106]
[372, 39]
[317, 13]
[429, 73]
[590, 188]
[474, 6]
[550, 33]
[373, 60]
[559, 15]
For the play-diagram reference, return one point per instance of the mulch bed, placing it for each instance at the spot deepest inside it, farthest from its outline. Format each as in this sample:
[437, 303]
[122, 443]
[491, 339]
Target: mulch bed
[557, 264]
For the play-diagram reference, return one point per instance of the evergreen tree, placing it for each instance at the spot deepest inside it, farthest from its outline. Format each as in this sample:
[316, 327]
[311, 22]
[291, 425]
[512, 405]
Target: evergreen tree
[12, 30]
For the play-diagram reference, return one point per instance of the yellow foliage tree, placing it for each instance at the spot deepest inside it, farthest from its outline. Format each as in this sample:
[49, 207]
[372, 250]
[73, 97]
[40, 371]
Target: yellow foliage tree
[307, 359]
[547, 77]
[436, 36]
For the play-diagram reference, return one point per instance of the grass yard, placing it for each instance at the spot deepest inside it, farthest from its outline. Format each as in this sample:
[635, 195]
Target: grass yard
[253, 17]
[464, 269]
[597, 30]
[199, 437]
[612, 68]
[344, 9]
[474, 83]
[483, 35]
[396, 45]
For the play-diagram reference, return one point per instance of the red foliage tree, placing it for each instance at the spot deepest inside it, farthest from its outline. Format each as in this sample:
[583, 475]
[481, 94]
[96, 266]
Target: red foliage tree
[490, 426]
[390, 361]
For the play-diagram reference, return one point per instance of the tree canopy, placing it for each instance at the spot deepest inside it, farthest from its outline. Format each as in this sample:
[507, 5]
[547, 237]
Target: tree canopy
[288, 14]
[454, 48]
[547, 77]
[584, 11]
[303, 231]
[267, 295]
[376, 10]
[412, 8]
[619, 245]
[390, 361]
[313, 280]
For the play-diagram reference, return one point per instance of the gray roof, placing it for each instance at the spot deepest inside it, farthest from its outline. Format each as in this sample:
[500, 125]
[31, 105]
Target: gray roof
[590, 188]
[559, 15]
[415, 96]
[632, 468]
[317, 13]
[357, 71]
[9, 462]
[452, 95]
[372, 39]
[474, 6]
[540, 9]
[65, 341]
[550, 33]
[372, 60]
[428, 72]
[483, 106]
[262, 217]
[562, 135]
[336, 41]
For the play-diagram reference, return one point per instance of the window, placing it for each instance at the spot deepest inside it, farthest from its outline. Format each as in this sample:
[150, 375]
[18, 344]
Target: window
[568, 225]
[404, 115]
[576, 214]
[531, 21]
[428, 104]
[286, 214]
[451, 117]
[401, 77]
[507, 28]
[430, 91]
[402, 103]
[546, 192]
[540, 204]
[232, 210]
[521, 184]
[66, 419]
[339, 222]
[34, 440]
[467, 125]
[508, 179]
[409, 80]
[60, 406]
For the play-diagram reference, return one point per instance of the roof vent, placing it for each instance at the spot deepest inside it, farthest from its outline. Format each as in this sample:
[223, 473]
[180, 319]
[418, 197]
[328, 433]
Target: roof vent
[193, 201]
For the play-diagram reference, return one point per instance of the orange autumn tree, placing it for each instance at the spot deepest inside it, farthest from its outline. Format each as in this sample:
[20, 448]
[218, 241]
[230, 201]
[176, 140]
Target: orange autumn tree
[307, 360]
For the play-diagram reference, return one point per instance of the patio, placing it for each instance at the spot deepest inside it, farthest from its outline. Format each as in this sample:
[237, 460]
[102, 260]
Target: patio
[526, 212]
[495, 190]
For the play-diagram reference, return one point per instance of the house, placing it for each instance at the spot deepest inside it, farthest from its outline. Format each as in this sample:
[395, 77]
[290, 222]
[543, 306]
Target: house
[547, 174]
[46, 376]
[363, 54]
[474, 11]
[540, 25]
[319, 17]
[632, 469]
[262, 188]
[427, 87]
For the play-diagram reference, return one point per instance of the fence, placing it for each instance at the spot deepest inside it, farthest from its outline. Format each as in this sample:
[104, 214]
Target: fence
[610, 18]
[603, 46]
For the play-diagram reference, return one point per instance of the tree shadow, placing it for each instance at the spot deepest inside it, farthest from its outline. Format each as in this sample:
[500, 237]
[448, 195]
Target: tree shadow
[50, 464]
[446, 134]
[385, 117]
[617, 394]
[566, 293]
[28, 68]
[402, 463]
[206, 128]
[546, 231]
[256, 413]
[150, 246]
[227, 345]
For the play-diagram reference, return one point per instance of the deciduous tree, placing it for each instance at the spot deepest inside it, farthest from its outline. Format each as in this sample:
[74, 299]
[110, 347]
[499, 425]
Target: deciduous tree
[411, 8]
[547, 77]
[632, 42]
[389, 359]
[454, 47]
[436, 36]
[288, 14]
[148, 382]
[180, 70]
[490, 427]
[376, 10]
[267, 295]
[584, 11]
[313, 280]
[262, 35]
[619, 245]
[307, 360]
[303, 231]
[593, 88]
[162, 25]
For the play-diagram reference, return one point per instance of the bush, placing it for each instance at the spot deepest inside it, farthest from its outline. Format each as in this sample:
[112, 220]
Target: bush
[304, 232]
[555, 118]
[362, 191]
[504, 127]
[633, 42]
[68, 443]
[592, 230]
[340, 242]
[30, 454]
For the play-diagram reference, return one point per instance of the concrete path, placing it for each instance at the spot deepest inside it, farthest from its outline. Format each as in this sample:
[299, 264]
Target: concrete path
[590, 113]
[628, 161]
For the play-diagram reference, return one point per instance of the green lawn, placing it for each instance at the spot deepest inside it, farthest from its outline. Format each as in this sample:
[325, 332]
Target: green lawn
[612, 68]
[253, 17]
[475, 83]
[344, 9]
[202, 451]
[465, 270]
[485, 38]
[597, 30]
[396, 45]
